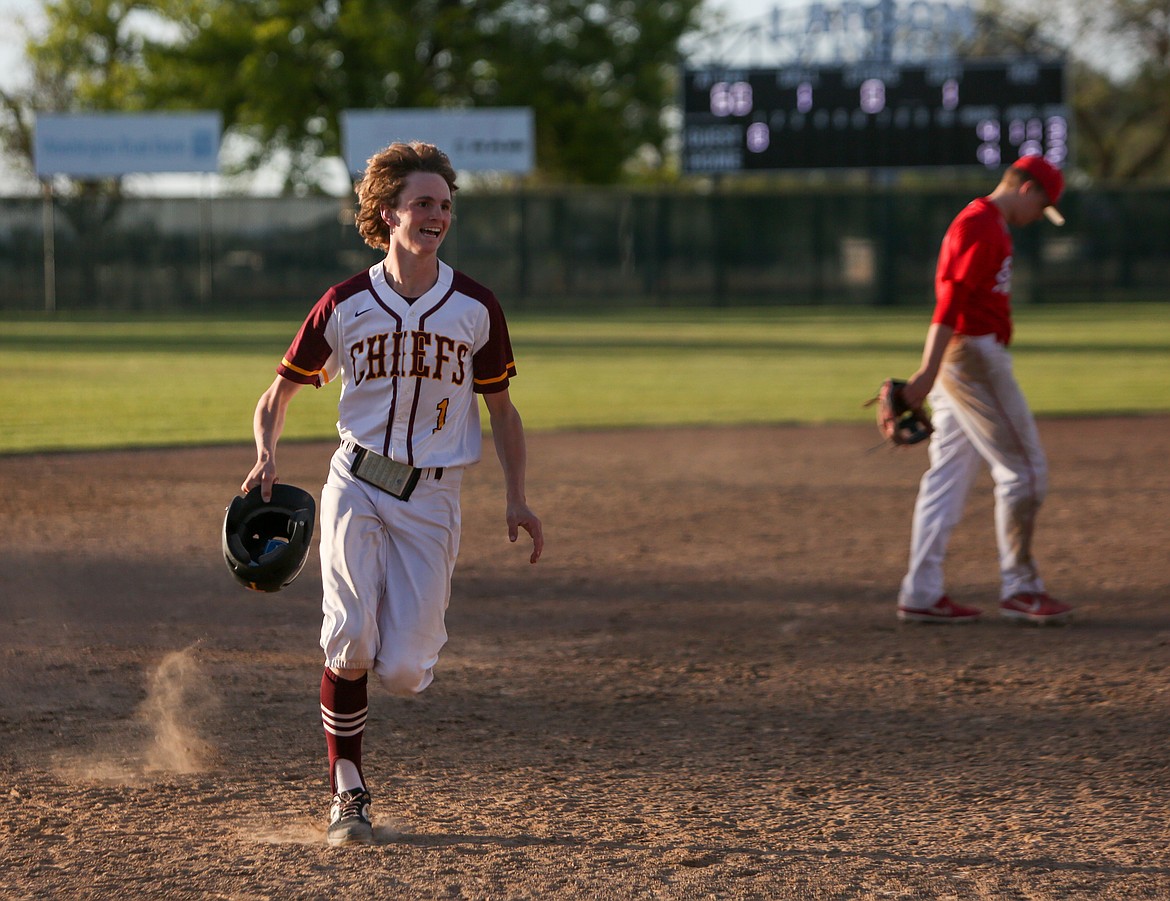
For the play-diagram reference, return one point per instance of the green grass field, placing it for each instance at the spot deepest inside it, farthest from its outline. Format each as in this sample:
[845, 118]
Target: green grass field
[73, 383]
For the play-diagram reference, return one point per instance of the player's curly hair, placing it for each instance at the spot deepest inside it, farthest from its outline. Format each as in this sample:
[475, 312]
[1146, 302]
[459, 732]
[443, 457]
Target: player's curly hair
[386, 173]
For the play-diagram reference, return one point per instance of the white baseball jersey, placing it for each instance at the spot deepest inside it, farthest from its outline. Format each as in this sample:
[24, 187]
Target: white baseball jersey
[409, 371]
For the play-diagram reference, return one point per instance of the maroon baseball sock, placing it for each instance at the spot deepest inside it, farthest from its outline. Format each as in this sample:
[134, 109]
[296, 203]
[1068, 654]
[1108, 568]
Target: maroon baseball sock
[344, 706]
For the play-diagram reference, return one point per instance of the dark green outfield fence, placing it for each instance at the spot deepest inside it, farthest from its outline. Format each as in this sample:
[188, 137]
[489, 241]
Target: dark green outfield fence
[573, 249]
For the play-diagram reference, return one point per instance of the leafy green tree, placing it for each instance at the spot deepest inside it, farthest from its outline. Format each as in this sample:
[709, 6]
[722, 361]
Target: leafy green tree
[1124, 116]
[87, 59]
[598, 73]
[1119, 53]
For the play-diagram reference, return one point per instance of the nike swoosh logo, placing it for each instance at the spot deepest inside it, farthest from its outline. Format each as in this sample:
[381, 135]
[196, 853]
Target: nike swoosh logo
[362, 312]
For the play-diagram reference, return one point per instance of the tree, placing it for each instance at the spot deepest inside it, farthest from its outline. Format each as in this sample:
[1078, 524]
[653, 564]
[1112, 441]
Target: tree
[1125, 120]
[87, 59]
[598, 73]
[1119, 51]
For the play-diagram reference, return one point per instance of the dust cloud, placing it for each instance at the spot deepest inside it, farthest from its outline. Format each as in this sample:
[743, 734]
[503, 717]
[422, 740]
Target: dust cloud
[179, 701]
[166, 734]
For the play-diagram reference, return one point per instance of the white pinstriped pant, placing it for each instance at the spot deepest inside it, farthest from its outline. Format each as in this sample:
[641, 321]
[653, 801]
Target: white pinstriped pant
[980, 416]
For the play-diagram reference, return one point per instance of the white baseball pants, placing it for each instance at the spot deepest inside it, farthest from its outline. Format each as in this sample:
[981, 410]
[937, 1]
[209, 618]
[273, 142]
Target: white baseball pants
[980, 416]
[386, 569]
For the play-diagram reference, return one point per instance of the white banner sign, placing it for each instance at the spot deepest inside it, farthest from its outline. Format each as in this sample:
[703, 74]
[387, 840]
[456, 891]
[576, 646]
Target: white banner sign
[104, 145]
[500, 139]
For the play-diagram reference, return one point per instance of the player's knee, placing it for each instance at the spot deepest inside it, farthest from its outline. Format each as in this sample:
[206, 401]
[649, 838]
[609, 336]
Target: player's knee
[403, 677]
[1026, 487]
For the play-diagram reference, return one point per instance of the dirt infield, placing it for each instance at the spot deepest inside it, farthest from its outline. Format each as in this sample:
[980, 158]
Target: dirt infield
[700, 692]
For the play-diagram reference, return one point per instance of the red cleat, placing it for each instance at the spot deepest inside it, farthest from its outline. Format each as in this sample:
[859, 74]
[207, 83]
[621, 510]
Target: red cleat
[1035, 607]
[944, 611]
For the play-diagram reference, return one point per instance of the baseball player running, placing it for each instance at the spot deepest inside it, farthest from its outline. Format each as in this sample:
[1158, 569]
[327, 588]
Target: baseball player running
[979, 412]
[412, 341]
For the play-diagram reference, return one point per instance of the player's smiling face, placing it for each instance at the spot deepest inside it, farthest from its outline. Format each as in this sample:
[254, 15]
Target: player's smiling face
[423, 214]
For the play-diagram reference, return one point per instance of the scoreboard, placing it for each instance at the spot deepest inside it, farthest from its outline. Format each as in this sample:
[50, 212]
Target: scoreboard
[874, 115]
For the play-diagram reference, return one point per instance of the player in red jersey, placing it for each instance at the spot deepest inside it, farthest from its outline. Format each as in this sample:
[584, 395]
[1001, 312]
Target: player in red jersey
[413, 343]
[980, 415]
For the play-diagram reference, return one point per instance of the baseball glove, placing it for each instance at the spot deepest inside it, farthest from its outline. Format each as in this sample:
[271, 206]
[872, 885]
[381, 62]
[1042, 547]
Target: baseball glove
[898, 423]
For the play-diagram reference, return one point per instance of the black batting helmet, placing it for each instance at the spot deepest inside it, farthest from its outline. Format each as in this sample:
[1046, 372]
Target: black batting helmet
[265, 544]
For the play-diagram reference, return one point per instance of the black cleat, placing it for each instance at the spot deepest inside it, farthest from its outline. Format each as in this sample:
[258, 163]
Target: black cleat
[349, 818]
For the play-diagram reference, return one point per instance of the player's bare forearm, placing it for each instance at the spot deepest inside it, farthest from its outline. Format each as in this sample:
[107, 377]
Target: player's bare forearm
[919, 384]
[267, 426]
[512, 451]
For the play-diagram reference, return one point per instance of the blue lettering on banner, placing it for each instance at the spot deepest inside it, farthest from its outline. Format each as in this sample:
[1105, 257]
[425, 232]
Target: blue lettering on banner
[103, 145]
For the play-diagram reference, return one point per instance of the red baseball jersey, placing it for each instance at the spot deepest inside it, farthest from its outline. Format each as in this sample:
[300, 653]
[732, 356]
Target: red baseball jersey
[409, 370]
[973, 280]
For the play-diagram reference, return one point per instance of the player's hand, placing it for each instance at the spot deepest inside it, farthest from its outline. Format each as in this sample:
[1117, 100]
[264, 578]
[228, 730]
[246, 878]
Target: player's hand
[916, 389]
[520, 516]
[264, 475]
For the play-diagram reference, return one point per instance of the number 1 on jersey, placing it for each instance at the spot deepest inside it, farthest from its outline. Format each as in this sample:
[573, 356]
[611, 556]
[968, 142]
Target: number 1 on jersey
[441, 420]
